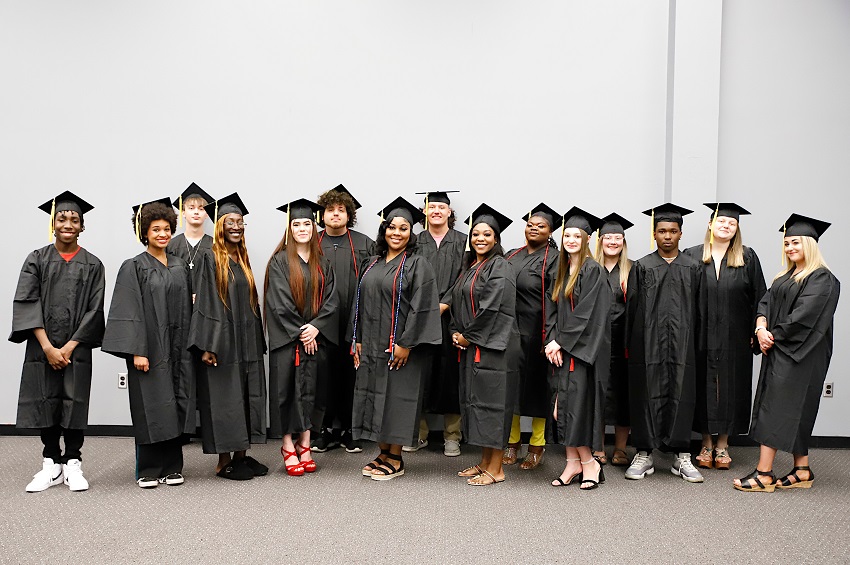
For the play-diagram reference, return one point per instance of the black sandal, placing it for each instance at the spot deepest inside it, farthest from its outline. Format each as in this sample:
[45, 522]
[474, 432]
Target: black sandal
[387, 470]
[786, 482]
[593, 484]
[745, 485]
[375, 463]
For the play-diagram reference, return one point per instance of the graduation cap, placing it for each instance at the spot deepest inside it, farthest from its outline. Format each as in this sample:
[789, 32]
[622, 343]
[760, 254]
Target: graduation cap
[667, 212]
[490, 216]
[341, 188]
[614, 223]
[545, 212]
[300, 209]
[797, 224]
[726, 209]
[403, 208]
[137, 213]
[578, 218]
[192, 191]
[436, 196]
[230, 204]
[65, 202]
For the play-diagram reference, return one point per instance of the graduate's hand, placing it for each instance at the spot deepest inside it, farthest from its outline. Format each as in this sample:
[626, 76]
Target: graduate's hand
[357, 348]
[55, 358]
[141, 363]
[308, 333]
[209, 358]
[399, 359]
[553, 353]
[68, 349]
[765, 340]
[459, 341]
[311, 348]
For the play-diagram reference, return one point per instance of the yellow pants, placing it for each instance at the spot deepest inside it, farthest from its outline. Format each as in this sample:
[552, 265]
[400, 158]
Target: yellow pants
[538, 431]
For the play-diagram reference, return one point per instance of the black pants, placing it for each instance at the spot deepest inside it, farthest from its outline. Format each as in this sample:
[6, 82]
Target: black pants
[340, 392]
[155, 460]
[73, 443]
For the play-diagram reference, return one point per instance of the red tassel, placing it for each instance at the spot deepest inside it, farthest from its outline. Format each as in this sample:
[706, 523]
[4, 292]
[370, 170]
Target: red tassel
[477, 355]
[572, 364]
[297, 356]
[458, 355]
[627, 353]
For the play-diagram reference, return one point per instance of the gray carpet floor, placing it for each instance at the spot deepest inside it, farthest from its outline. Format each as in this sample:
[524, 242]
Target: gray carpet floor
[427, 516]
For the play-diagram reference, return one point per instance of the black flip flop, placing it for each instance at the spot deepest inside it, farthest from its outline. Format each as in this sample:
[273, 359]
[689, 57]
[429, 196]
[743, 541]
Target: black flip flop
[236, 471]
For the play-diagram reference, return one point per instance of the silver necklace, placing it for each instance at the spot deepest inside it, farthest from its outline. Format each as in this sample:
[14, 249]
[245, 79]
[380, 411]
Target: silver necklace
[192, 255]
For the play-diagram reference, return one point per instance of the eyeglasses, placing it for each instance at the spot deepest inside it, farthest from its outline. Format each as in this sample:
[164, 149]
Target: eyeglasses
[236, 224]
[612, 237]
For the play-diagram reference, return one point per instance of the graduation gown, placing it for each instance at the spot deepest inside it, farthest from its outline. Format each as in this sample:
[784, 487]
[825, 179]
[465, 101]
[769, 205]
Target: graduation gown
[179, 247]
[231, 395]
[388, 404]
[617, 391]
[447, 262]
[662, 324]
[800, 317]
[533, 296]
[583, 330]
[66, 299]
[725, 358]
[295, 403]
[484, 312]
[149, 316]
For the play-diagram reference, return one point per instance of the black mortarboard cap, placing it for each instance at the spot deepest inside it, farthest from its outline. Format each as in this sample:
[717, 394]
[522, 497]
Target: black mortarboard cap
[341, 188]
[545, 212]
[438, 196]
[192, 190]
[230, 204]
[578, 218]
[797, 224]
[614, 223]
[164, 201]
[403, 208]
[300, 209]
[67, 201]
[726, 209]
[490, 216]
[667, 212]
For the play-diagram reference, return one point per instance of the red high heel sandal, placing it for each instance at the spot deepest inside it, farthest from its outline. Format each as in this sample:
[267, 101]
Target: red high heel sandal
[292, 470]
[309, 466]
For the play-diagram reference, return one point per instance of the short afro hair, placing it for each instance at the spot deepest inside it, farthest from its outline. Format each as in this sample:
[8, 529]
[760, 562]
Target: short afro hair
[152, 213]
[335, 197]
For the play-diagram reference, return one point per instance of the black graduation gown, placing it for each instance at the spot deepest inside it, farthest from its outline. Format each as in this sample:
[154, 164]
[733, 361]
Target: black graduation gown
[583, 330]
[66, 299]
[800, 317]
[725, 358]
[149, 316]
[489, 367]
[447, 261]
[191, 255]
[388, 404]
[533, 295]
[232, 395]
[662, 325]
[295, 403]
[617, 392]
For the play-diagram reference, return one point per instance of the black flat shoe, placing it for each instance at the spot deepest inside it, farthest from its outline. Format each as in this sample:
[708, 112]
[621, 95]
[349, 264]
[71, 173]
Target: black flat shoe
[256, 467]
[236, 470]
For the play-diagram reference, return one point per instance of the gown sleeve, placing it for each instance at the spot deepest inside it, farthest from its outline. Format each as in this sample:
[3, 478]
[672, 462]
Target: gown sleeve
[327, 318]
[206, 330]
[549, 304]
[587, 328]
[282, 317]
[491, 326]
[810, 317]
[422, 325]
[27, 312]
[125, 329]
[90, 330]
[759, 290]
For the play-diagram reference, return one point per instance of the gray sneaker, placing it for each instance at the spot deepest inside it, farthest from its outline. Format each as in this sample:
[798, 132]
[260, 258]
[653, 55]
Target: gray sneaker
[642, 465]
[683, 467]
[414, 448]
[451, 448]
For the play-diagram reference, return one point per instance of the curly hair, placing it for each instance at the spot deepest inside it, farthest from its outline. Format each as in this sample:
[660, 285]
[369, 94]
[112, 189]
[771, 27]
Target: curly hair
[381, 246]
[335, 197]
[151, 213]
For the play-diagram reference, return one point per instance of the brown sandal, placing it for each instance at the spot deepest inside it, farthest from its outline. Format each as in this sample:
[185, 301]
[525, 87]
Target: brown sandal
[722, 460]
[473, 471]
[484, 479]
[510, 455]
[533, 458]
[619, 458]
[705, 458]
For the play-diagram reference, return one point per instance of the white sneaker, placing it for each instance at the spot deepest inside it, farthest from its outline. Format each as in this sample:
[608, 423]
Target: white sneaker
[421, 444]
[74, 476]
[451, 448]
[642, 465]
[683, 467]
[50, 475]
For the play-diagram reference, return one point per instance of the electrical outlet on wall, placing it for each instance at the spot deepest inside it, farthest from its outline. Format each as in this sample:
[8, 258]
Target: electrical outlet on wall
[122, 380]
[827, 390]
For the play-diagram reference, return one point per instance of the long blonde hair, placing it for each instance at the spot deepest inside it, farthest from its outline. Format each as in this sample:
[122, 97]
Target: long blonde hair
[222, 265]
[562, 281]
[814, 260]
[622, 261]
[734, 253]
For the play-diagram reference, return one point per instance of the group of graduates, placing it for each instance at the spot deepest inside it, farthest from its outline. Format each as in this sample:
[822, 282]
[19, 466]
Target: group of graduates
[365, 337]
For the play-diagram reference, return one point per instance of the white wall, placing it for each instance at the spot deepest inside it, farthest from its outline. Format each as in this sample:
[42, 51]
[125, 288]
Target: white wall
[513, 102]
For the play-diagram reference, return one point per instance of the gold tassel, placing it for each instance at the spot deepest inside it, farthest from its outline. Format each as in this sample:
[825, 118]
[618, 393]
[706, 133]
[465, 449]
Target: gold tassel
[52, 229]
[468, 236]
[139, 224]
[652, 231]
[286, 232]
[216, 212]
[784, 257]
[180, 217]
[563, 230]
[382, 216]
[711, 227]
[426, 210]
